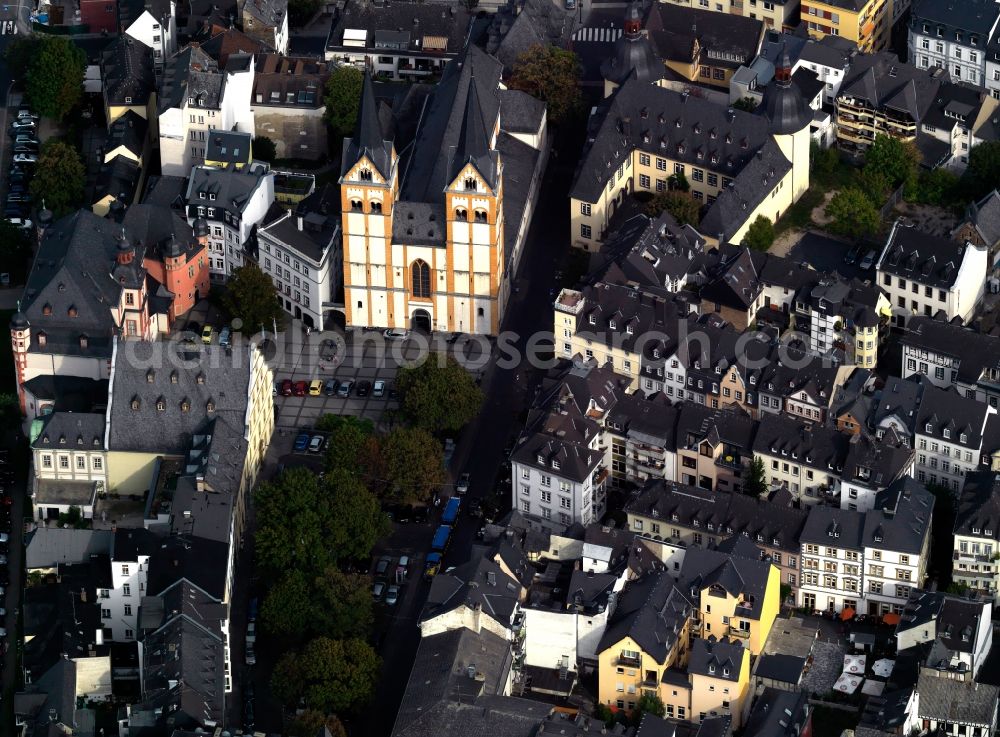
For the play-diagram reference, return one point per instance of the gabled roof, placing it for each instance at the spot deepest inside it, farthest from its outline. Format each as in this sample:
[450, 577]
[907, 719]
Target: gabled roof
[921, 257]
[474, 142]
[722, 659]
[369, 139]
[947, 415]
[978, 513]
[652, 611]
[479, 584]
[127, 72]
[882, 80]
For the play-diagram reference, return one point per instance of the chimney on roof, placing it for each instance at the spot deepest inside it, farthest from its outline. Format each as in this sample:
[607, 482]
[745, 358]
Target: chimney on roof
[298, 221]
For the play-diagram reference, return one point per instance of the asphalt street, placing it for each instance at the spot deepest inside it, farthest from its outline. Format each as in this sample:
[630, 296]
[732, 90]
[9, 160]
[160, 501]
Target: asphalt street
[480, 447]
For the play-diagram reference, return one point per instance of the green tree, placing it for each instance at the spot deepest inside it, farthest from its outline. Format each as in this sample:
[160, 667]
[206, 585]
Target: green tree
[59, 178]
[413, 465]
[15, 251]
[438, 398]
[982, 175]
[250, 297]
[351, 445]
[747, 104]
[681, 205]
[301, 606]
[678, 182]
[356, 521]
[936, 187]
[760, 234]
[648, 703]
[852, 214]
[550, 74]
[342, 97]
[330, 675]
[823, 161]
[756, 483]
[19, 54]
[895, 159]
[264, 149]
[54, 76]
[875, 185]
[10, 410]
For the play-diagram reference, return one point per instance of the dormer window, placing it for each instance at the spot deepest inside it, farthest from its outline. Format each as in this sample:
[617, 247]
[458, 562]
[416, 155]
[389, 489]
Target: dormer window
[963, 438]
[84, 341]
[136, 404]
[711, 669]
[150, 376]
[593, 319]
[947, 433]
[725, 672]
[200, 378]
[185, 405]
[46, 309]
[629, 329]
[611, 324]
[72, 311]
[210, 406]
[161, 405]
[927, 427]
[173, 377]
[42, 339]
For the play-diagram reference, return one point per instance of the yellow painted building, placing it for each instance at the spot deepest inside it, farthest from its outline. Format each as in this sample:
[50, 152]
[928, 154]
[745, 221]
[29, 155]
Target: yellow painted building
[866, 22]
[719, 673]
[738, 165]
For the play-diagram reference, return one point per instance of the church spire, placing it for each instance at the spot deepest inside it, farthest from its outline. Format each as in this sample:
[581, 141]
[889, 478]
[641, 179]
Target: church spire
[369, 138]
[474, 141]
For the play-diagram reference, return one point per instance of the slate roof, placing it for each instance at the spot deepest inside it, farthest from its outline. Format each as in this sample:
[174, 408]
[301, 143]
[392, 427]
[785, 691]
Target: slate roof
[281, 81]
[946, 411]
[131, 543]
[318, 233]
[480, 583]
[973, 17]
[652, 611]
[727, 40]
[48, 547]
[899, 398]
[516, 27]
[228, 147]
[74, 269]
[985, 216]
[129, 131]
[191, 73]
[723, 512]
[875, 462]
[881, 80]
[163, 231]
[270, 13]
[440, 678]
[829, 526]
[957, 702]
[730, 425]
[127, 72]
[659, 119]
[778, 713]
[830, 51]
[232, 187]
[437, 147]
[778, 667]
[633, 56]
[119, 178]
[917, 256]
[901, 519]
[406, 25]
[230, 41]
[211, 376]
[821, 447]
[979, 506]
[735, 566]
[71, 430]
[520, 112]
[722, 659]
[202, 562]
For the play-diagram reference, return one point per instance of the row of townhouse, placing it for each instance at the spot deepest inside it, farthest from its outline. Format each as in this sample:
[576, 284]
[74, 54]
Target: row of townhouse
[588, 432]
[828, 558]
[951, 356]
[962, 38]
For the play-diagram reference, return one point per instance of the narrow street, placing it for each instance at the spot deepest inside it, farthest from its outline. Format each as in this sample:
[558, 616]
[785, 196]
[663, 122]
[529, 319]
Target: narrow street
[11, 601]
[480, 448]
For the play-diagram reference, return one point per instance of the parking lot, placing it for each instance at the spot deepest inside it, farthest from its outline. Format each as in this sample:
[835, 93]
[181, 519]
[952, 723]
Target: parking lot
[19, 154]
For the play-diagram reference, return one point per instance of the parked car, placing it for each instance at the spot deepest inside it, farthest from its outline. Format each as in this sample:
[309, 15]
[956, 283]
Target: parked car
[364, 388]
[315, 387]
[224, 336]
[392, 595]
[378, 590]
[25, 158]
[462, 487]
[286, 388]
[402, 568]
[378, 388]
[330, 387]
[316, 444]
[206, 335]
[344, 390]
[22, 124]
[299, 388]
[20, 222]
[18, 197]
[868, 261]
[301, 442]
[394, 334]
[26, 114]
[17, 176]
[383, 565]
[25, 137]
[852, 255]
[26, 148]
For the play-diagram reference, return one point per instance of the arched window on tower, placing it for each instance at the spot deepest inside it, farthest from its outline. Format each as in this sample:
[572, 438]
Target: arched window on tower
[375, 207]
[481, 216]
[461, 214]
[420, 279]
[356, 206]
[365, 175]
[470, 183]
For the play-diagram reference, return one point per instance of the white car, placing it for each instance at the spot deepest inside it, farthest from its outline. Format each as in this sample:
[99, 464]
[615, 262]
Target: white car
[462, 487]
[21, 223]
[393, 334]
[25, 159]
[392, 596]
[378, 388]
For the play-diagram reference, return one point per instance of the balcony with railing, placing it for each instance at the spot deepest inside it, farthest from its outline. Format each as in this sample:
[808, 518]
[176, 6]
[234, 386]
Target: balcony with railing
[740, 633]
[629, 661]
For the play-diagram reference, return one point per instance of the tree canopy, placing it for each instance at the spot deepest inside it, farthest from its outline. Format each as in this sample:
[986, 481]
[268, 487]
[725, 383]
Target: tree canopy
[309, 524]
[680, 204]
[760, 234]
[351, 445]
[412, 465]
[982, 175]
[59, 178]
[251, 298]
[331, 675]
[894, 159]
[438, 398]
[299, 13]
[756, 482]
[264, 149]
[551, 74]
[302, 605]
[852, 214]
[54, 68]
[342, 97]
